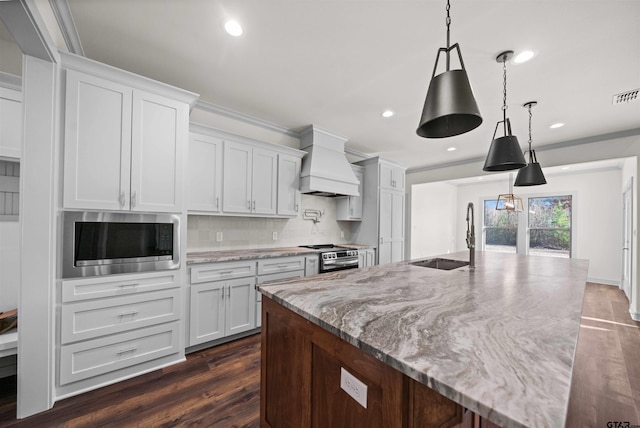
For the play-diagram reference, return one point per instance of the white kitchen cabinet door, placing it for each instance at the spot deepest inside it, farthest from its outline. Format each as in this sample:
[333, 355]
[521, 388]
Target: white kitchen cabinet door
[264, 181]
[207, 314]
[159, 133]
[350, 207]
[391, 176]
[288, 185]
[10, 123]
[240, 305]
[370, 257]
[391, 233]
[312, 265]
[97, 149]
[237, 178]
[204, 183]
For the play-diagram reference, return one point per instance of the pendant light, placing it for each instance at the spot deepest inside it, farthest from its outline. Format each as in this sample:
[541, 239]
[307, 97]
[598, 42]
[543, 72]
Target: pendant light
[509, 201]
[450, 108]
[530, 175]
[505, 152]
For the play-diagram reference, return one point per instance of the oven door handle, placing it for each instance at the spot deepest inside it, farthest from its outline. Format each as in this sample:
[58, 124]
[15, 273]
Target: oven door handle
[341, 262]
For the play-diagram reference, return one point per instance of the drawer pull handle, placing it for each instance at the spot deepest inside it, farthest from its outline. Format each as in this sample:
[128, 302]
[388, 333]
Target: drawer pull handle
[128, 314]
[128, 350]
[283, 266]
[131, 285]
[226, 272]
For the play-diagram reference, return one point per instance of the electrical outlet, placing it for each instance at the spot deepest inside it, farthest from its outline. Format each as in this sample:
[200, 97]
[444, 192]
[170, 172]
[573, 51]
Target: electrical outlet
[354, 387]
[218, 236]
[275, 236]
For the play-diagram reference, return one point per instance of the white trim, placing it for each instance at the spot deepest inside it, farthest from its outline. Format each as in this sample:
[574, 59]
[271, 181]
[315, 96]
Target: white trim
[612, 282]
[11, 81]
[554, 146]
[250, 120]
[224, 135]
[85, 65]
[67, 26]
[635, 315]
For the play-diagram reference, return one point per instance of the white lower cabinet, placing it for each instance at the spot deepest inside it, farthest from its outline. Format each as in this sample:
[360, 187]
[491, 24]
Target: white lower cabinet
[117, 326]
[91, 358]
[312, 265]
[366, 257]
[221, 308]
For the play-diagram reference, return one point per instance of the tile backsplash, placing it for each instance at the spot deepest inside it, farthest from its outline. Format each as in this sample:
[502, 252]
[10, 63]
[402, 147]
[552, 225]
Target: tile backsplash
[256, 232]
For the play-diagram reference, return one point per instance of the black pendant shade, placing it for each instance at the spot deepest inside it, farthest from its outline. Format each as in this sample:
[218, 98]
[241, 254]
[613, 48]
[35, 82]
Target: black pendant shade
[530, 175]
[450, 107]
[504, 153]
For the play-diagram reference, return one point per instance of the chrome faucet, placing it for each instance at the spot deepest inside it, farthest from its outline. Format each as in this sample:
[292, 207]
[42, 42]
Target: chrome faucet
[471, 237]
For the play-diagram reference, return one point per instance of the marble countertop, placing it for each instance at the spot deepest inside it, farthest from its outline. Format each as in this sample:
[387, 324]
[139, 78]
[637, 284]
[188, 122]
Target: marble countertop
[499, 339]
[197, 257]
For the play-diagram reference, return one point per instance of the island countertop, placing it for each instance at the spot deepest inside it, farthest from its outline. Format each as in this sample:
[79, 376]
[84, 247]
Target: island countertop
[499, 339]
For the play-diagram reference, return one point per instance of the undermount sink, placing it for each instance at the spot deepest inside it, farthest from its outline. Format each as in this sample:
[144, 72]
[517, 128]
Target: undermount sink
[442, 264]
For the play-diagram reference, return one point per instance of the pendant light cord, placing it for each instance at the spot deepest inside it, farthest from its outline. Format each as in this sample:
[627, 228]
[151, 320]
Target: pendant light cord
[530, 117]
[504, 94]
[448, 35]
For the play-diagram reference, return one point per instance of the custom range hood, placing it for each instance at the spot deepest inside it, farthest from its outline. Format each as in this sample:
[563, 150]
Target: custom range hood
[325, 169]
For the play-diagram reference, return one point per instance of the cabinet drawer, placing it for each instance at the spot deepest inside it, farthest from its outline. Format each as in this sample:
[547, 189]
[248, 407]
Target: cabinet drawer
[88, 320]
[222, 271]
[117, 285]
[281, 264]
[95, 357]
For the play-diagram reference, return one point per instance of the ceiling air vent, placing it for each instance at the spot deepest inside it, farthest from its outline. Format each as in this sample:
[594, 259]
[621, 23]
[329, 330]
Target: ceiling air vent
[626, 97]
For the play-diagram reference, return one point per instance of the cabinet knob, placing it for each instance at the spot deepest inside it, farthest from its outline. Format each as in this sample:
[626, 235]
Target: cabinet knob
[249, 205]
[217, 202]
[254, 205]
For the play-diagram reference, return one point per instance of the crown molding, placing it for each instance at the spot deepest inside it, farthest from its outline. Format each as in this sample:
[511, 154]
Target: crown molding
[242, 117]
[554, 146]
[10, 81]
[67, 26]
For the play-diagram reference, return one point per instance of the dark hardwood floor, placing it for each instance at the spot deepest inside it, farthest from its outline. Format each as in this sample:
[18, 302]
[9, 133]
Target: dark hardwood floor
[220, 387]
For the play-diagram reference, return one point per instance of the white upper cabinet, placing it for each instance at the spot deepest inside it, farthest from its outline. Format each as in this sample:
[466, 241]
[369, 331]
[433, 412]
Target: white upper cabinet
[238, 163]
[10, 123]
[125, 140]
[350, 207]
[97, 150]
[234, 175]
[159, 131]
[204, 184]
[264, 178]
[391, 176]
[288, 185]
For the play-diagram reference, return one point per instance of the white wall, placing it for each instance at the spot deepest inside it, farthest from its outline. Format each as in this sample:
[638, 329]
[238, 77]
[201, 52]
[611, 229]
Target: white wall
[597, 215]
[433, 210]
[248, 232]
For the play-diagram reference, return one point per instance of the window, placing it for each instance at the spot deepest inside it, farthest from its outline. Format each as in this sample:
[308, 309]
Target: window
[550, 226]
[545, 229]
[500, 228]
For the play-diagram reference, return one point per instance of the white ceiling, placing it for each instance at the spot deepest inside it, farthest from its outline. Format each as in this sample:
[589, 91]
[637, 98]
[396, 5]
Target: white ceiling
[338, 64]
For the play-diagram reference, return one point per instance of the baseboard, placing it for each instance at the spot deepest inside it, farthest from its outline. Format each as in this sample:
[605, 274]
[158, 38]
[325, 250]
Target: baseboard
[604, 281]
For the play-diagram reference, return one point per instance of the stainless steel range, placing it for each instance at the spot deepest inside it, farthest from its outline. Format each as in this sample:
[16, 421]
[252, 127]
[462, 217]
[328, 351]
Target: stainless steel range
[333, 258]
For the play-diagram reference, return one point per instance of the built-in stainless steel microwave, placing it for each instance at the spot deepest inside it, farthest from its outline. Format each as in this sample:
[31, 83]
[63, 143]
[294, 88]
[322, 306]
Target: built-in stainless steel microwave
[100, 243]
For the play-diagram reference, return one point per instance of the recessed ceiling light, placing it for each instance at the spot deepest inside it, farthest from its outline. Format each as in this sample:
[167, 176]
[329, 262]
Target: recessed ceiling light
[480, 178]
[388, 113]
[451, 149]
[557, 125]
[523, 56]
[233, 27]
[565, 167]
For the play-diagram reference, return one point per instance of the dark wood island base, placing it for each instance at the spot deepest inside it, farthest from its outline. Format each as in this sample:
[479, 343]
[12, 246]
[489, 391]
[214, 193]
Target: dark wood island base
[301, 383]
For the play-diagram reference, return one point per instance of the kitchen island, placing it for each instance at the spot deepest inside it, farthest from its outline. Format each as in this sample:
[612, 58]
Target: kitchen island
[428, 344]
